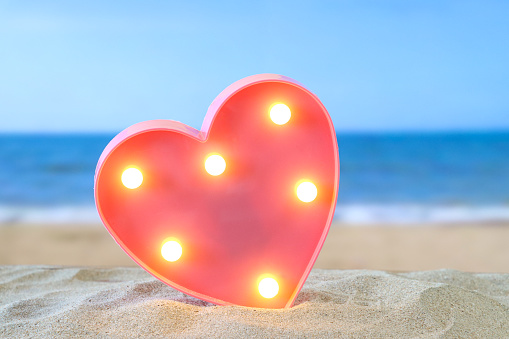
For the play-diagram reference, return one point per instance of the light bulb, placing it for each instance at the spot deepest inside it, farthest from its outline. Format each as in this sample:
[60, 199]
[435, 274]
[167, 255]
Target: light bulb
[306, 191]
[215, 165]
[268, 288]
[280, 114]
[132, 178]
[171, 250]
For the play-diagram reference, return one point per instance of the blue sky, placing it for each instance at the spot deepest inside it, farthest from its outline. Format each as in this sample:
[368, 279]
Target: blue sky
[391, 65]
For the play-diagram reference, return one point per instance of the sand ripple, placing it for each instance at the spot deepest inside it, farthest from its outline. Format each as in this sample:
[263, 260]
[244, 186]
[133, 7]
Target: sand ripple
[57, 302]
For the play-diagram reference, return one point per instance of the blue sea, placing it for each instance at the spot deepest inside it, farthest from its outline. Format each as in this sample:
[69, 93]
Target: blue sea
[385, 178]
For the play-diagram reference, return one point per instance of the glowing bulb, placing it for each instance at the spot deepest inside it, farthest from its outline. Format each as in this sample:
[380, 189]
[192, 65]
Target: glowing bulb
[132, 178]
[307, 191]
[280, 114]
[171, 250]
[215, 165]
[268, 288]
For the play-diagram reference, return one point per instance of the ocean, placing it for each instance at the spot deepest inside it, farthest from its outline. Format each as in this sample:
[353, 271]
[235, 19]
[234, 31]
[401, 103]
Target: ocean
[385, 178]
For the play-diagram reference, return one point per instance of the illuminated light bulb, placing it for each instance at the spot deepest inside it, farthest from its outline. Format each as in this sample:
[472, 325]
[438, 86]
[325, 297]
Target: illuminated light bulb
[268, 288]
[280, 114]
[306, 191]
[171, 250]
[132, 178]
[215, 165]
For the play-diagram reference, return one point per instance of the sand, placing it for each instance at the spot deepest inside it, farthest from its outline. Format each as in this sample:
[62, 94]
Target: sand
[106, 299]
[471, 248]
[64, 302]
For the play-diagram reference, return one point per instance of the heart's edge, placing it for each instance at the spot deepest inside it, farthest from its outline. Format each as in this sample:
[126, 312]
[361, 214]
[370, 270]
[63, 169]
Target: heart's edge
[202, 136]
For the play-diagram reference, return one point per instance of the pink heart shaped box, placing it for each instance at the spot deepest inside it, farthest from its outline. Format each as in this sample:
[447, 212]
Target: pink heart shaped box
[238, 227]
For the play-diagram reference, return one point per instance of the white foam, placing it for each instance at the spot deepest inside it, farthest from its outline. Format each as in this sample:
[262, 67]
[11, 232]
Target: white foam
[371, 214]
[49, 215]
[415, 214]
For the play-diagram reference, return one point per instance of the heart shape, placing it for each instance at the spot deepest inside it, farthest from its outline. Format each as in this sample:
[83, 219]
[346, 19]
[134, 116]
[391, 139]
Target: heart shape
[221, 214]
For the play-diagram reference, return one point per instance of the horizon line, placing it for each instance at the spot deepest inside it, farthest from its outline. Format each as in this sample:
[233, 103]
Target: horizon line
[338, 131]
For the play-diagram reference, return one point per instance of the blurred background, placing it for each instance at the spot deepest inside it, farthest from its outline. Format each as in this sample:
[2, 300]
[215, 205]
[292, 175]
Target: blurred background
[418, 92]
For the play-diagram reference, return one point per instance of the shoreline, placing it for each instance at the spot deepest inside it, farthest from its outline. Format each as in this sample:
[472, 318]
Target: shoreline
[464, 247]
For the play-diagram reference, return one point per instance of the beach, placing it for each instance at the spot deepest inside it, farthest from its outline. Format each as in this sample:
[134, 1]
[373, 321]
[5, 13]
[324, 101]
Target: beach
[417, 249]
[158, 122]
[465, 247]
[369, 281]
[65, 302]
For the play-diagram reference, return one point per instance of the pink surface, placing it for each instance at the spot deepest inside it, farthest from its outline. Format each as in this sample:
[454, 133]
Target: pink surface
[240, 225]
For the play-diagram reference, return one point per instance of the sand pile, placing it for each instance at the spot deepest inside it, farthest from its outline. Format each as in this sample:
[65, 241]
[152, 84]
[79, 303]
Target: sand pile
[44, 301]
